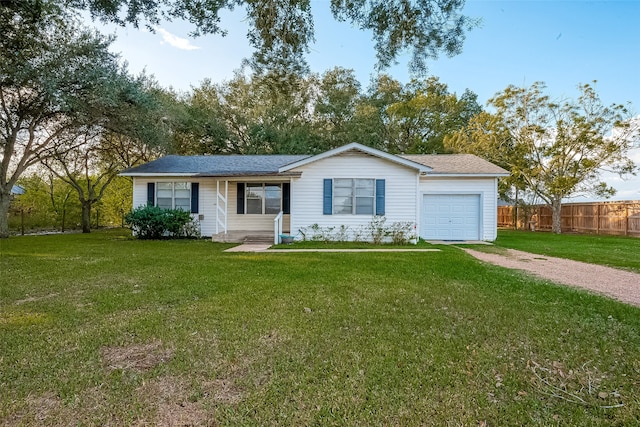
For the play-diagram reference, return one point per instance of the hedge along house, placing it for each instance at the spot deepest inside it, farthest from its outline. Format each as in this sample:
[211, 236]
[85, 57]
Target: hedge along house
[444, 197]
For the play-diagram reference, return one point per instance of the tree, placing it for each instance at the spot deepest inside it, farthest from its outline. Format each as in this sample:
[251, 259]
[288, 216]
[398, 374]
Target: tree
[58, 84]
[47, 202]
[558, 148]
[53, 80]
[338, 94]
[261, 117]
[281, 30]
[485, 137]
[199, 126]
[89, 159]
[425, 113]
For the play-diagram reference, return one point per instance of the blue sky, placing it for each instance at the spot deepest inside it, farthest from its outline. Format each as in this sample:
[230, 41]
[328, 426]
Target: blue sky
[562, 43]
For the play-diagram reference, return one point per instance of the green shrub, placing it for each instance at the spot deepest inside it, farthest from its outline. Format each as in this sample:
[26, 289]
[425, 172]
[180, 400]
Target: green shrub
[152, 222]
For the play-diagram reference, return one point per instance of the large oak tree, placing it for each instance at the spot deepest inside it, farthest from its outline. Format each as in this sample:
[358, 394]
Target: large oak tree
[557, 148]
[58, 80]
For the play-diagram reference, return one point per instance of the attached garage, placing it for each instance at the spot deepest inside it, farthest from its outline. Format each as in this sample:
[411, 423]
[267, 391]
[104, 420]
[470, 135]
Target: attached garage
[451, 217]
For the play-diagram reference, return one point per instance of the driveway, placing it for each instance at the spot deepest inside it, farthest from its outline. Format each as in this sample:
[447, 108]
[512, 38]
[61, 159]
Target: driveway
[619, 284]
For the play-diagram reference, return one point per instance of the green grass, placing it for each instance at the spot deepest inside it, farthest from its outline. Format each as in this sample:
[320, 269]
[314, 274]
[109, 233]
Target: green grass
[613, 251]
[102, 329]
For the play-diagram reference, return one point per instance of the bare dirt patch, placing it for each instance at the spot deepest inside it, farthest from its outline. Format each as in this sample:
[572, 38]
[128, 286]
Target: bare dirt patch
[34, 299]
[137, 357]
[619, 284]
[181, 404]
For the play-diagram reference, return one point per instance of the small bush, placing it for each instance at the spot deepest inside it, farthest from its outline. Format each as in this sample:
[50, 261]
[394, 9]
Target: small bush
[152, 222]
[377, 229]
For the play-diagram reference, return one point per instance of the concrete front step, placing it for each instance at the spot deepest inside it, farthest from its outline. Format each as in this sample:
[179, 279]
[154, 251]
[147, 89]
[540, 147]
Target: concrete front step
[258, 238]
[240, 236]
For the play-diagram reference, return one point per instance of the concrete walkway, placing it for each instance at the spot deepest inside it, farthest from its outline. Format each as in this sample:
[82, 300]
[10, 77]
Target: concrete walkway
[263, 247]
[250, 247]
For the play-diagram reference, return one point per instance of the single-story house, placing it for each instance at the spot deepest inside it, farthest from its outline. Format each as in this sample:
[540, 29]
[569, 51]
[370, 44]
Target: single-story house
[443, 197]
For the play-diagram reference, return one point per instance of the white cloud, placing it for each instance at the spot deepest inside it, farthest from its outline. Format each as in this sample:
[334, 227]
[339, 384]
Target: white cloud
[175, 41]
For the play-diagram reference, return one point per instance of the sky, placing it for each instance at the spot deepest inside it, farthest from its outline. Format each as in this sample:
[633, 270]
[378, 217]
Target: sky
[562, 43]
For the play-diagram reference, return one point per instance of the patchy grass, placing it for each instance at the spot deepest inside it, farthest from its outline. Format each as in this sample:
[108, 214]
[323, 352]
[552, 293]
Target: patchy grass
[612, 251]
[102, 329]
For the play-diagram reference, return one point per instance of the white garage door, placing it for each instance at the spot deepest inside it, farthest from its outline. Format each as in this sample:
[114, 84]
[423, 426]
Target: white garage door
[451, 217]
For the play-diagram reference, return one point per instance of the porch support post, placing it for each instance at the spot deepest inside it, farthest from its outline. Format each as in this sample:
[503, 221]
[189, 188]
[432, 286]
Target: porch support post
[226, 205]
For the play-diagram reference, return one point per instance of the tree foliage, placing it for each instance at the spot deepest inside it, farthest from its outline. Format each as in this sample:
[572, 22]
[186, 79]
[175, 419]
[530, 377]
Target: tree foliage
[556, 148]
[249, 115]
[89, 159]
[59, 83]
[424, 113]
[281, 31]
[46, 204]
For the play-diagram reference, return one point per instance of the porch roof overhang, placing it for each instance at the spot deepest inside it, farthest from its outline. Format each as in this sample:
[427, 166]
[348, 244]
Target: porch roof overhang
[232, 175]
[269, 175]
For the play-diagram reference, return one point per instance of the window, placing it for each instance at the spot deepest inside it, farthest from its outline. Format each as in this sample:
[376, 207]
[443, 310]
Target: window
[174, 195]
[263, 198]
[353, 196]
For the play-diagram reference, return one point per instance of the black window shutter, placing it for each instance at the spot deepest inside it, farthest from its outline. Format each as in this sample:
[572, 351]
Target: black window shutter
[151, 193]
[195, 195]
[286, 198]
[380, 196]
[240, 198]
[327, 199]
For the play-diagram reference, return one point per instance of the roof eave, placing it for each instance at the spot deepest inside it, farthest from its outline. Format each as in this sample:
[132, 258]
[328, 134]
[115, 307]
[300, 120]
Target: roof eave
[168, 174]
[249, 174]
[466, 175]
[211, 174]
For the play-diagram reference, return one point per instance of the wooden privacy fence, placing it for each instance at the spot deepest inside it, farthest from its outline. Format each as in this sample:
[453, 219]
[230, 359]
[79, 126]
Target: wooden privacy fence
[619, 218]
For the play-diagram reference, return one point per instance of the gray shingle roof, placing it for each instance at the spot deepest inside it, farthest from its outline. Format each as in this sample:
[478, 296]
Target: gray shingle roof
[217, 165]
[244, 165]
[456, 164]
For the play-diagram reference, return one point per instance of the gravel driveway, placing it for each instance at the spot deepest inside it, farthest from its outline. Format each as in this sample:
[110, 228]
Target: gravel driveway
[619, 284]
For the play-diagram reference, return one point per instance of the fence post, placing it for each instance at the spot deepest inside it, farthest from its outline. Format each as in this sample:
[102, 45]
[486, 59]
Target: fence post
[598, 218]
[626, 219]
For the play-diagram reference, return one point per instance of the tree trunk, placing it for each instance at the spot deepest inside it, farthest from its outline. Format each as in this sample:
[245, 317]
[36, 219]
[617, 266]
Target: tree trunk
[515, 214]
[5, 201]
[556, 216]
[86, 217]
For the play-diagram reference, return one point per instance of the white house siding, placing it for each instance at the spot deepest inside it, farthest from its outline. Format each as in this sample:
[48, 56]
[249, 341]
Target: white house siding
[307, 191]
[206, 201]
[485, 187]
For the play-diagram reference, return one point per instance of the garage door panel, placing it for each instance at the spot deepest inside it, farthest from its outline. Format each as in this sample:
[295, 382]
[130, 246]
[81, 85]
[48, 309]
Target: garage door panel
[451, 217]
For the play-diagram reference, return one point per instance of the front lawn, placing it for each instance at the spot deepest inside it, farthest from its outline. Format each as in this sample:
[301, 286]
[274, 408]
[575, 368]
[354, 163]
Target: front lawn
[102, 329]
[612, 251]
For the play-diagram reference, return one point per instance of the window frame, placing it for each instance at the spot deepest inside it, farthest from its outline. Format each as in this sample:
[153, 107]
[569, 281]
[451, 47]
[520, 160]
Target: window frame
[263, 197]
[188, 188]
[354, 196]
